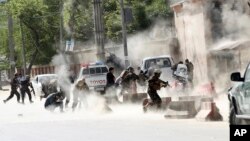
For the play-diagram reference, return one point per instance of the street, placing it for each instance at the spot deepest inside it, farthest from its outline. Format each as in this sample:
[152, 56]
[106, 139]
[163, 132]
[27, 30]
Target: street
[124, 70]
[126, 123]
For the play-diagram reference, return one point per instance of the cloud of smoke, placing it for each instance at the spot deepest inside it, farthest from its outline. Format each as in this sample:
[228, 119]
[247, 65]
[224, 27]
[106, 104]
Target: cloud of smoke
[236, 30]
[236, 23]
[151, 42]
[63, 72]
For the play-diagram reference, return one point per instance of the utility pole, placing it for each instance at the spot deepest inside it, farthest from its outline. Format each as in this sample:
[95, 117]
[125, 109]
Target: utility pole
[61, 25]
[11, 45]
[23, 48]
[124, 34]
[11, 49]
[99, 29]
[61, 48]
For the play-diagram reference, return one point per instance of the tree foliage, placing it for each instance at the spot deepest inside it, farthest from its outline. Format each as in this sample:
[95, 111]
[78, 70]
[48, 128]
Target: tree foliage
[41, 20]
[78, 19]
[145, 12]
[40, 29]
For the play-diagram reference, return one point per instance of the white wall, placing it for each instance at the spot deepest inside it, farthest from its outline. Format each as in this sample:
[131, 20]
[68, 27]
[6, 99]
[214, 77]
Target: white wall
[190, 25]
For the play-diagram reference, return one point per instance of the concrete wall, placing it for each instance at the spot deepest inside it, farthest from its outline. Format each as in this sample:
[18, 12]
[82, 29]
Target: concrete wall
[190, 26]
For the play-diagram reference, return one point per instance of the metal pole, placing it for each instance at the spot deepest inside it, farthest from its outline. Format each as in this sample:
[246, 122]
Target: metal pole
[23, 49]
[61, 49]
[61, 26]
[124, 34]
[99, 29]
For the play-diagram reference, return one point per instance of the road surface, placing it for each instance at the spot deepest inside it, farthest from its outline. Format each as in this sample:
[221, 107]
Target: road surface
[127, 122]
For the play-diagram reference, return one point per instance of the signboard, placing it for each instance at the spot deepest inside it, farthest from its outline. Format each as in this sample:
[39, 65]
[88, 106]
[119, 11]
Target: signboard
[70, 45]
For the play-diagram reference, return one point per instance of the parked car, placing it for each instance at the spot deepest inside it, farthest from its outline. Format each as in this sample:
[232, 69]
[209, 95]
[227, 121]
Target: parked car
[95, 75]
[239, 97]
[164, 63]
[41, 79]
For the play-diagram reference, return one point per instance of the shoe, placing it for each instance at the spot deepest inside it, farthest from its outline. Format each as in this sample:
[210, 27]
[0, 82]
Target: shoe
[31, 101]
[4, 101]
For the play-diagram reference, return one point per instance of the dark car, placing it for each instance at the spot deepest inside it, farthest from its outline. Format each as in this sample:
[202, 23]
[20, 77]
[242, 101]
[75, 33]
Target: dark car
[239, 97]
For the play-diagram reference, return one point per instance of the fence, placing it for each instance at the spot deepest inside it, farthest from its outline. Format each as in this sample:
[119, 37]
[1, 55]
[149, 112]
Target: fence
[50, 69]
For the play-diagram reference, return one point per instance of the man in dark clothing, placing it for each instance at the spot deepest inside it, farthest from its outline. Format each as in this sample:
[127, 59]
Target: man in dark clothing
[131, 75]
[53, 101]
[110, 86]
[19, 77]
[14, 85]
[190, 69]
[142, 78]
[110, 78]
[25, 84]
[154, 84]
[129, 81]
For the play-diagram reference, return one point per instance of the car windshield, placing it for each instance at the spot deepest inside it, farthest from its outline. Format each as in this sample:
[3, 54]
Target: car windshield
[158, 62]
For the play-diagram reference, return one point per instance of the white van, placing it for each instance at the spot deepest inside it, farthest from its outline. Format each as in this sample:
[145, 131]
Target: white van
[95, 75]
[164, 63]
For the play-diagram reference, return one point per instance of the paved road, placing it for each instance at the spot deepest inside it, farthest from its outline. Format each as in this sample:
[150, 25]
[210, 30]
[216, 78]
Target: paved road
[126, 123]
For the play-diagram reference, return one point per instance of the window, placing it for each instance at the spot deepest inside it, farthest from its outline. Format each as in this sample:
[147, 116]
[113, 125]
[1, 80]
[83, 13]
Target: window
[92, 70]
[104, 70]
[159, 62]
[150, 63]
[85, 71]
[98, 70]
[163, 62]
[167, 63]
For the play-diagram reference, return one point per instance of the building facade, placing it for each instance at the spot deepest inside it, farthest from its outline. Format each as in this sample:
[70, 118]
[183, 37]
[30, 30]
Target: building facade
[202, 26]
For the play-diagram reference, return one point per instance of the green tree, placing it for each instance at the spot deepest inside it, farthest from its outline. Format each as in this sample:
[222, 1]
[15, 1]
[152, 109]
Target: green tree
[145, 12]
[78, 18]
[41, 20]
[158, 9]
[40, 29]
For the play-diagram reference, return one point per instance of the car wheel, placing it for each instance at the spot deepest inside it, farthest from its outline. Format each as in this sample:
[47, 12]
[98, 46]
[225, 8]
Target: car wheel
[233, 120]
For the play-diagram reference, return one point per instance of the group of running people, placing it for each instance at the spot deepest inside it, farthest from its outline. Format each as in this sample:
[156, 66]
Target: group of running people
[20, 84]
[127, 80]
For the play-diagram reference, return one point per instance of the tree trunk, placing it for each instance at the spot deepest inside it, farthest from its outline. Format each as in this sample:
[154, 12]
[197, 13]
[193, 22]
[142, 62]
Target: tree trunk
[37, 46]
[33, 58]
[11, 45]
